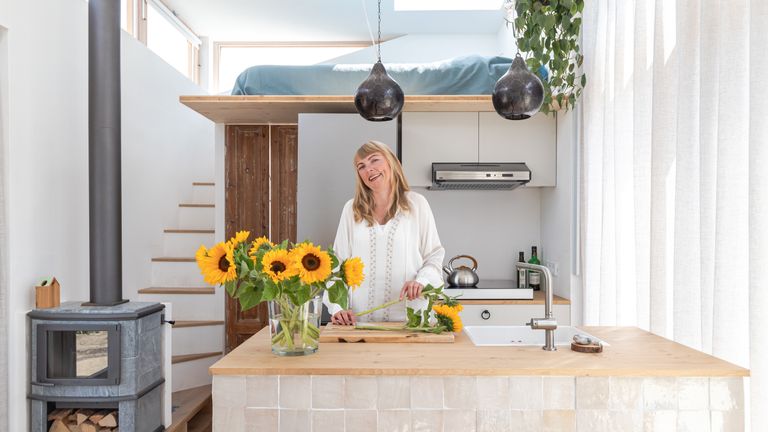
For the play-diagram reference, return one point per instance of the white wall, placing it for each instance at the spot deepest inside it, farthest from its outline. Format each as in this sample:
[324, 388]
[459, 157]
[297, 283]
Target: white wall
[47, 166]
[422, 48]
[506, 41]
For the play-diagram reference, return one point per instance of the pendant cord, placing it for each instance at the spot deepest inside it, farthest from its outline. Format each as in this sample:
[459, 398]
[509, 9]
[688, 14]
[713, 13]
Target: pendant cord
[379, 43]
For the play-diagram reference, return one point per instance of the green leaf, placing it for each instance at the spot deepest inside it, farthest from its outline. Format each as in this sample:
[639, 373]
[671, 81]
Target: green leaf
[271, 290]
[302, 294]
[244, 270]
[231, 286]
[249, 299]
[337, 294]
[414, 319]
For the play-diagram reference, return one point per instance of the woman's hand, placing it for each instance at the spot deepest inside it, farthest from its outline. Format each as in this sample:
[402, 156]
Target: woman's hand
[411, 290]
[344, 317]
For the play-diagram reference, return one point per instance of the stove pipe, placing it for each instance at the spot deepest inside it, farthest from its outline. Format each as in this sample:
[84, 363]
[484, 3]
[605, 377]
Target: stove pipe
[105, 227]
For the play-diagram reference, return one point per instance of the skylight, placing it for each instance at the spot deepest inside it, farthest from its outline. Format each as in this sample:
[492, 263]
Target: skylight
[447, 5]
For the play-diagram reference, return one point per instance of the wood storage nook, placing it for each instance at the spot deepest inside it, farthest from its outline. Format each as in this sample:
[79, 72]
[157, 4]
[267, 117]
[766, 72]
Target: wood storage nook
[83, 420]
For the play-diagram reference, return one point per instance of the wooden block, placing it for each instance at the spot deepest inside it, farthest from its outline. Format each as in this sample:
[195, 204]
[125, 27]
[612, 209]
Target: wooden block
[591, 348]
[98, 415]
[59, 414]
[88, 427]
[48, 294]
[82, 415]
[109, 420]
[58, 426]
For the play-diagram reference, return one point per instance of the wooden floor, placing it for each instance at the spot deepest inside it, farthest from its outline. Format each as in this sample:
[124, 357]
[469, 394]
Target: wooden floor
[192, 410]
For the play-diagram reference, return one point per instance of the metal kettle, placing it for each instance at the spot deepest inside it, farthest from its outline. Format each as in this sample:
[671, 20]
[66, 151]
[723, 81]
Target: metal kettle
[461, 276]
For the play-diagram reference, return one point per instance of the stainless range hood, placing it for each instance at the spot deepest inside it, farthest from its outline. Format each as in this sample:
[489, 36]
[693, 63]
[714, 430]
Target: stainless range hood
[479, 176]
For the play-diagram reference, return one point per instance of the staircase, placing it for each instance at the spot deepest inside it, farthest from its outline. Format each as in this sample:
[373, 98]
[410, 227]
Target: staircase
[198, 309]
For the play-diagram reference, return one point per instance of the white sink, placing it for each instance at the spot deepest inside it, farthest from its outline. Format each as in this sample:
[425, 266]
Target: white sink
[521, 335]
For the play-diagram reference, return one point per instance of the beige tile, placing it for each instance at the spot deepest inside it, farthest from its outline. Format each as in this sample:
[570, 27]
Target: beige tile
[526, 420]
[394, 392]
[558, 393]
[360, 392]
[525, 393]
[726, 394]
[295, 391]
[292, 420]
[360, 420]
[625, 421]
[261, 391]
[426, 392]
[692, 393]
[427, 420]
[327, 420]
[493, 393]
[727, 421]
[693, 421]
[460, 392]
[659, 421]
[394, 421]
[559, 421]
[229, 391]
[592, 393]
[459, 420]
[625, 393]
[660, 393]
[227, 419]
[328, 392]
[493, 420]
[593, 420]
[262, 419]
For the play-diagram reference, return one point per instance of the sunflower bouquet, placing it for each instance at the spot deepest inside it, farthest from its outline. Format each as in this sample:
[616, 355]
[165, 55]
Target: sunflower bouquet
[291, 277]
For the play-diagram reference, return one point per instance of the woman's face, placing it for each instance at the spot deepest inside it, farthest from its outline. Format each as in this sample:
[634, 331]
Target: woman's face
[374, 171]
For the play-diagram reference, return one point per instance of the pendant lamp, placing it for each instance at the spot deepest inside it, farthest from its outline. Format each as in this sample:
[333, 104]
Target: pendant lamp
[379, 97]
[519, 93]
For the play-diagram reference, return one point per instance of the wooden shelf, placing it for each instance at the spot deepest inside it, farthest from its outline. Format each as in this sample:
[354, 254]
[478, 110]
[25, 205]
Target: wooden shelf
[191, 408]
[178, 290]
[190, 357]
[286, 109]
[173, 259]
[189, 231]
[182, 324]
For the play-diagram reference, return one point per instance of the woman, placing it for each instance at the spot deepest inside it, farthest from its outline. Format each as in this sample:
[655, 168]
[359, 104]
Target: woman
[393, 231]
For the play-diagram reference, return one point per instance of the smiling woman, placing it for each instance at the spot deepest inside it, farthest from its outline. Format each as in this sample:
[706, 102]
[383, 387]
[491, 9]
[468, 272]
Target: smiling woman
[393, 231]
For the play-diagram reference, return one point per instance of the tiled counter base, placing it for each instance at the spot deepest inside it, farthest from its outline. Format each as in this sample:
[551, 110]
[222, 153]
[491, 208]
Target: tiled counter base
[322, 403]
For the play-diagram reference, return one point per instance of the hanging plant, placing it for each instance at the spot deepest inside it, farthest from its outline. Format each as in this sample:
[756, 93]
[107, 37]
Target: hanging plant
[547, 31]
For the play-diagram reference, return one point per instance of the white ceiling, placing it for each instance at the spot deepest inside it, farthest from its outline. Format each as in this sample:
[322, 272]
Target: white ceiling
[321, 20]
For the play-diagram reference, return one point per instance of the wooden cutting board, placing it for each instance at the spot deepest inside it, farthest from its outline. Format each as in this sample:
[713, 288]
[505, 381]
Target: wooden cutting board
[340, 333]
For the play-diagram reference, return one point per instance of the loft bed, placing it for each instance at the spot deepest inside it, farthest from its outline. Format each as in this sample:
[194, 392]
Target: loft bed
[277, 94]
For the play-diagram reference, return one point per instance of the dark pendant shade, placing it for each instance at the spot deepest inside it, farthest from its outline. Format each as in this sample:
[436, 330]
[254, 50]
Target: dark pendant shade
[379, 97]
[518, 93]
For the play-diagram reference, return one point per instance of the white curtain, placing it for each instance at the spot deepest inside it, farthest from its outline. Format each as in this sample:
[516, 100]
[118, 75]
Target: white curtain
[675, 194]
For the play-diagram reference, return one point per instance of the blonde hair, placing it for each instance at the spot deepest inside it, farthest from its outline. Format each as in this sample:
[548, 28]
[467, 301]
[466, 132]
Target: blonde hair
[363, 204]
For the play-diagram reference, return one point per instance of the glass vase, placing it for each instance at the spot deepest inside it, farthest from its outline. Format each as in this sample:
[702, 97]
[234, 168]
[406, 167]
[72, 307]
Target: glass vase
[295, 329]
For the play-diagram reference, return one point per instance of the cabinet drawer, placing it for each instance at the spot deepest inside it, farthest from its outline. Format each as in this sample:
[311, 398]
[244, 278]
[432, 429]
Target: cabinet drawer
[511, 314]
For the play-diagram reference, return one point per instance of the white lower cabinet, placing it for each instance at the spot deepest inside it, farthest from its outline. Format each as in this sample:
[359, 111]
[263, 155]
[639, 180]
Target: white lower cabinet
[511, 314]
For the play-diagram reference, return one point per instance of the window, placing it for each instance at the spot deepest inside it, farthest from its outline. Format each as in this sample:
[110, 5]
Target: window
[170, 39]
[233, 58]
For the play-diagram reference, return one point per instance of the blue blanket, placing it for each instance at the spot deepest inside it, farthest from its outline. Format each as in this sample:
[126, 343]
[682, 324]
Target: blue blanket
[471, 75]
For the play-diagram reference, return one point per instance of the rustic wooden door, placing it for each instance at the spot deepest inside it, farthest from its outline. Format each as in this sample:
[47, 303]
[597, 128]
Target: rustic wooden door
[260, 196]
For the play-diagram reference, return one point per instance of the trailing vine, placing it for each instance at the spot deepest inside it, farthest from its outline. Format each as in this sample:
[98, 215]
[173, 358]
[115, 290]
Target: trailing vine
[548, 32]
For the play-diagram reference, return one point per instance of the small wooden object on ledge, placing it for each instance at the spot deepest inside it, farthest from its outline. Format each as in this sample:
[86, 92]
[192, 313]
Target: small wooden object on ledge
[590, 348]
[48, 294]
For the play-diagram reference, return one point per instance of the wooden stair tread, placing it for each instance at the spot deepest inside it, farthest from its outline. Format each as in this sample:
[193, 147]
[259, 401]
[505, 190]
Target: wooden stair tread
[203, 184]
[197, 356]
[197, 205]
[187, 403]
[189, 231]
[192, 323]
[178, 290]
[173, 259]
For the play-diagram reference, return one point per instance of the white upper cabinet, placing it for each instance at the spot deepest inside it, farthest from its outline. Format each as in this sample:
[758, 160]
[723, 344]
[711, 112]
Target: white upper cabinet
[429, 137]
[436, 137]
[532, 141]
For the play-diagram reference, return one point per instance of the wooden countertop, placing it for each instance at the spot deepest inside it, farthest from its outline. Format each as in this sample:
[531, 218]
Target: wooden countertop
[633, 352]
[538, 299]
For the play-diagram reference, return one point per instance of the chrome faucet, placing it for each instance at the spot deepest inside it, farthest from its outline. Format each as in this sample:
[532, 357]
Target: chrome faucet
[548, 323]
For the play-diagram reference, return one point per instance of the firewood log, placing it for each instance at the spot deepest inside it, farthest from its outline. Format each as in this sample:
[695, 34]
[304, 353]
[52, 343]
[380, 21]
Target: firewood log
[109, 420]
[83, 414]
[88, 427]
[59, 414]
[58, 426]
[98, 415]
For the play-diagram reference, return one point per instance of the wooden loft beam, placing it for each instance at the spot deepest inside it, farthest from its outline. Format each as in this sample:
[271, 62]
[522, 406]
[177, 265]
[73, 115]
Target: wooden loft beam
[286, 109]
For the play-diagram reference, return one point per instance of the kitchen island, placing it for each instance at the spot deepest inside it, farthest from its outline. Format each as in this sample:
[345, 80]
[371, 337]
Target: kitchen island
[641, 382]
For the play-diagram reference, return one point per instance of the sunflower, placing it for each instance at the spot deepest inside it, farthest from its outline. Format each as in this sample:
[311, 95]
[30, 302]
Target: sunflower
[448, 317]
[311, 263]
[218, 264]
[259, 242]
[277, 264]
[239, 237]
[353, 272]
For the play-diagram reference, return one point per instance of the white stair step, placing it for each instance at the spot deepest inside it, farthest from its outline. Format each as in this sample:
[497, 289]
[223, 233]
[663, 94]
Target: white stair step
[196, 217]
[199, 339]
[185, 243]
[176, 274]
[199, 307]
[203, 192]
[191, 374]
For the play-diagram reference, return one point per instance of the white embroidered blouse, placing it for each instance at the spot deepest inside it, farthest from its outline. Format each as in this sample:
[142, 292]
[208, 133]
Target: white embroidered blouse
[405, 248]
